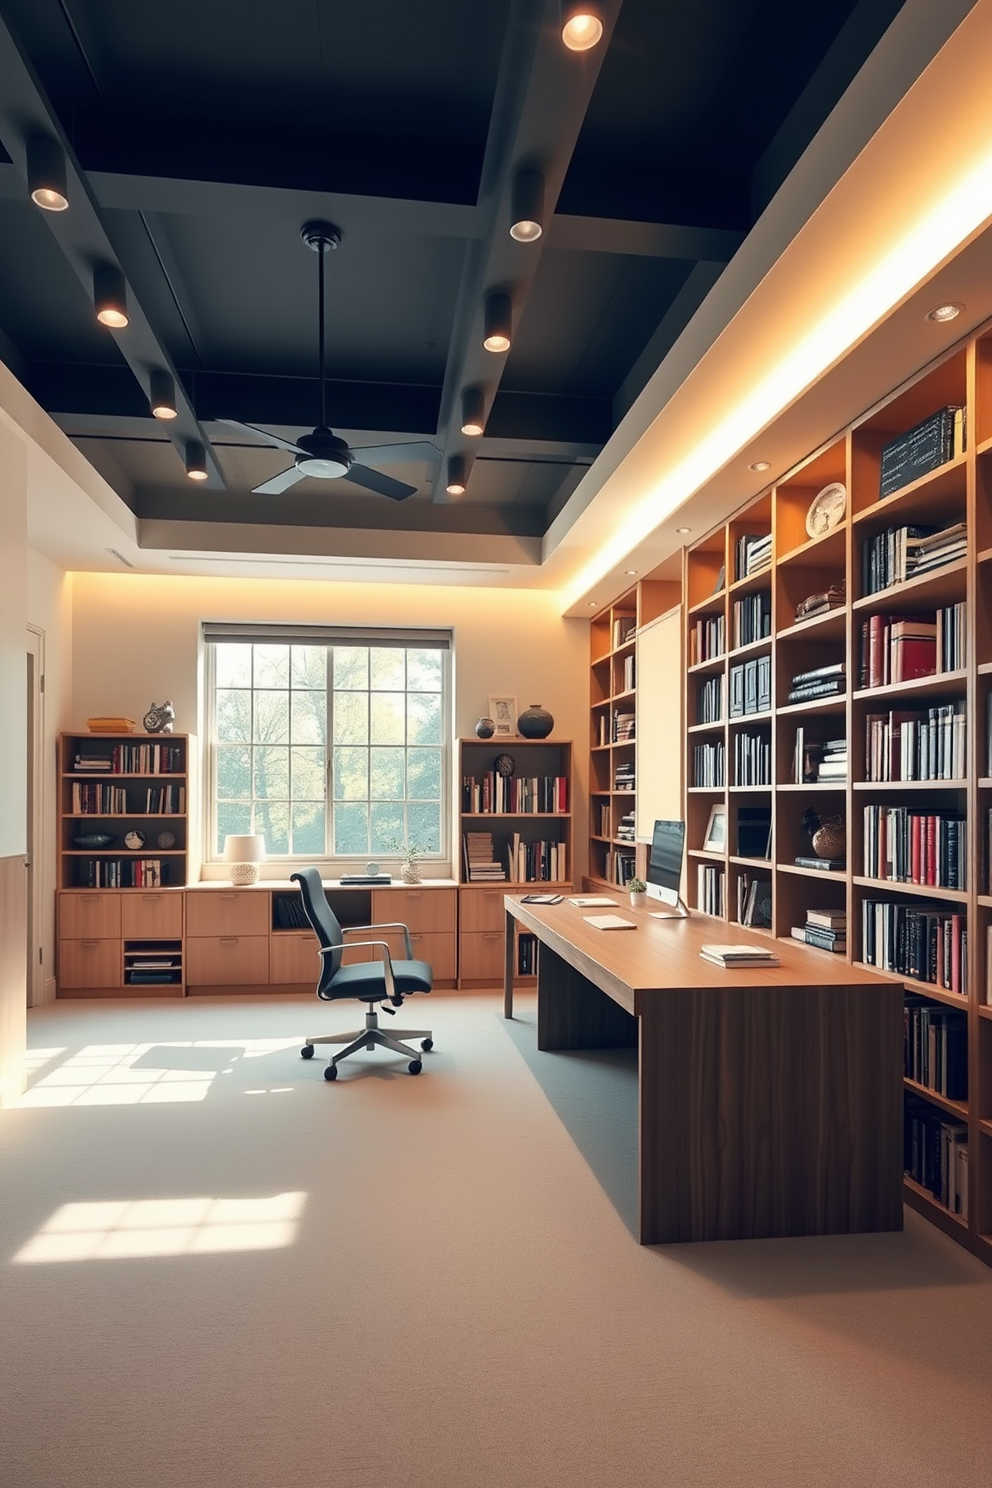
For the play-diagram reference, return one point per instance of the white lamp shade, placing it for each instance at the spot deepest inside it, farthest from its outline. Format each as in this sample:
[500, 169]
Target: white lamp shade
[249, 848]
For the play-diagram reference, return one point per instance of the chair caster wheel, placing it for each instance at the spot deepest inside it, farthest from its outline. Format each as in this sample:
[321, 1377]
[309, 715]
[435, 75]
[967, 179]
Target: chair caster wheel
[427, 1043]
[331, 1072]
[307, 1051]
[415, 1066]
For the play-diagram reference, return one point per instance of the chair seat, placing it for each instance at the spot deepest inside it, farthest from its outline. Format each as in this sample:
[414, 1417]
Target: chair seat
[365, 980]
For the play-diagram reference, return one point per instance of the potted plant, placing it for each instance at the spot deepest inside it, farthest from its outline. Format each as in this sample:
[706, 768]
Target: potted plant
[637, 889]
[408, 854]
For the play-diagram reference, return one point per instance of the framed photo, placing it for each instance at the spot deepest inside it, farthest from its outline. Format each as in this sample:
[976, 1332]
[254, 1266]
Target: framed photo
[716, 830]
[503, 712]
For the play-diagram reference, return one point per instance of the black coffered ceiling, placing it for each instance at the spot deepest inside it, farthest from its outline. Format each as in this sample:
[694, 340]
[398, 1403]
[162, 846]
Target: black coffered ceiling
[207, 133]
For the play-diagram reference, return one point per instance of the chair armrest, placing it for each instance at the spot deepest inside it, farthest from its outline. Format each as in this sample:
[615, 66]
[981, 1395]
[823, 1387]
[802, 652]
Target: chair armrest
[390, 925]
[387, 966]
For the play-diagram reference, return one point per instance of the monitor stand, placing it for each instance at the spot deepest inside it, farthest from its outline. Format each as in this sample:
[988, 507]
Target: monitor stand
[678, 911]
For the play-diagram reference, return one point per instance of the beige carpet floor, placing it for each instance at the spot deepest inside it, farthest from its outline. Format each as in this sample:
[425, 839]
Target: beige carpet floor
[217, 1269]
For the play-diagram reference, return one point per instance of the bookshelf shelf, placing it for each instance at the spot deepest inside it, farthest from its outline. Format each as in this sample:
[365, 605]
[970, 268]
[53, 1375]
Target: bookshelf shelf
[936, 683]
[825, 875]
[943, 586]
[908, 785]
[924, 891]
[832, 624]
[712, 664]
[813, 705]
[953, 1107]
[939, 496]
[927, 1204]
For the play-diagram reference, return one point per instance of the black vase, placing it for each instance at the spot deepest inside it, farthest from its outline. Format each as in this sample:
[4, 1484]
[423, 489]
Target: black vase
[535, 722]
[485, 728]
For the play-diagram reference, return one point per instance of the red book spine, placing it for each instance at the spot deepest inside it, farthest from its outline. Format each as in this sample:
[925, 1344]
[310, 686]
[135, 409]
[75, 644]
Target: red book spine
[875, 629]
[931, 876]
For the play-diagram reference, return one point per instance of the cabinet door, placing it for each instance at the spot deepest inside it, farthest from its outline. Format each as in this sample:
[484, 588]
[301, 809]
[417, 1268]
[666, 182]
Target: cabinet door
[293, 958]
[437, 948]
[422, 909]
[89, 963]
[480, 909]
[93, 915]
[228, 912]
[481, 957]
[227, 961]
[157, 916]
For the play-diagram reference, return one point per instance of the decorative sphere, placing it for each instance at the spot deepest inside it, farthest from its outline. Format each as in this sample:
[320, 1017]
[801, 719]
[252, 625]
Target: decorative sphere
[485, 728]
[535, 722]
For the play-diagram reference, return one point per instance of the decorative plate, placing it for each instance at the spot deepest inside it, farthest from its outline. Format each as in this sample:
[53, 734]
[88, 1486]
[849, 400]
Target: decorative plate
[93, 839]
[166, 839]
[505, 765]
[134, 838]
[826, 510]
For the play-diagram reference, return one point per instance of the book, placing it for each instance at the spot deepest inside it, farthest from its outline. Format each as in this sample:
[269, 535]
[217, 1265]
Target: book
[754, 831]
[810, 862]
[921, 449]
[738, 955]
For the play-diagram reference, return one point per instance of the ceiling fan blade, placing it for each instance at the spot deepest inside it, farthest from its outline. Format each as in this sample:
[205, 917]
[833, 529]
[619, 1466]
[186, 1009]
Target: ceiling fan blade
[278, 483]
[294, 449]
[382, 485]
[395, 454]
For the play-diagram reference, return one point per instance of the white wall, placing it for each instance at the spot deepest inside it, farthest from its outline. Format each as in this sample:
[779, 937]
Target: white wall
[136, 639]
[49, 609]
[13, 757]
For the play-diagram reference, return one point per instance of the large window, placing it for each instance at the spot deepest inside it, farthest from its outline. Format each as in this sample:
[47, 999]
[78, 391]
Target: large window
[331, 744]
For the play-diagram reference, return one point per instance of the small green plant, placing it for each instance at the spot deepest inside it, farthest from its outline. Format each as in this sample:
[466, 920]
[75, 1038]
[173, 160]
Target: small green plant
[635, 886]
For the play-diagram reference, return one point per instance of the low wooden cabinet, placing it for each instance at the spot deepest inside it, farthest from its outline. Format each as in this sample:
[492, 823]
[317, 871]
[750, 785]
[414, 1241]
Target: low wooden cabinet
[90, 965]
[152, 916]
[227, 962]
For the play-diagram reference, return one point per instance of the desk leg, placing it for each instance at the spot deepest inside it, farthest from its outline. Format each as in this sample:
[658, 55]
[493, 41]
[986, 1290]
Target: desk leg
[508, 965]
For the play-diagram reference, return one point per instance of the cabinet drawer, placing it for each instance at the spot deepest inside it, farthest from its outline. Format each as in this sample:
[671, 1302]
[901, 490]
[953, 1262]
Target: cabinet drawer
[228, 912]
[481, 909]
[422, 909]
[93, 916]
[228, 961]
[152, 916]
[89, 963]
[294, 958]
[480, 956]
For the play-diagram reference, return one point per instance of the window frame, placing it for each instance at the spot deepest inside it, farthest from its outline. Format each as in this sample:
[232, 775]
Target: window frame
[212, 633]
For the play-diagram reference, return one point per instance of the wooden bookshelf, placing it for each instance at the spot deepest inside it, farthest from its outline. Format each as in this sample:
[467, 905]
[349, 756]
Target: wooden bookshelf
[959, 490]
[613, 664]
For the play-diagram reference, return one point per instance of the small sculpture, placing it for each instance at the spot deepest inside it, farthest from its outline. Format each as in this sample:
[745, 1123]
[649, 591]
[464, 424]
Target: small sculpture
[160, 718]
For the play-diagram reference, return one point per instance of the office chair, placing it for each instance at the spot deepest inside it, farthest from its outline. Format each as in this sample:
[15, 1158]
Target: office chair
[372, 982]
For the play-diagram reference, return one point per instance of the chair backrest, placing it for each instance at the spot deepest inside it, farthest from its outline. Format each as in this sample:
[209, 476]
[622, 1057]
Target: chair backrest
[325, 922]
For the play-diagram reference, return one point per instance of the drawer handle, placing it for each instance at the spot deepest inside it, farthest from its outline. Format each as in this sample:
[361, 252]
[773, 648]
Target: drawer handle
[229, 940]
[490, 894]
[416, 937]
[418, 895]
[149, 898]
[89, 945]
[493, 935]
[229, 896]
[89, 898]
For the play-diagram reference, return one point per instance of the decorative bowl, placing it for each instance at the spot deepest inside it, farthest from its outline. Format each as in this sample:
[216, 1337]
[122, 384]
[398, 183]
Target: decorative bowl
[93, 839]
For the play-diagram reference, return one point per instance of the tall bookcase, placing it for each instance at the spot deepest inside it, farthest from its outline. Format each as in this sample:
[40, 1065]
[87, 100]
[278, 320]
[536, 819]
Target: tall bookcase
[613, 853]
[938, 1125]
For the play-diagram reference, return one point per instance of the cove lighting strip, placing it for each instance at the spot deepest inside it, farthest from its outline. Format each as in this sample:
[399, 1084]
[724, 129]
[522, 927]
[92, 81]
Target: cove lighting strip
[934, 237]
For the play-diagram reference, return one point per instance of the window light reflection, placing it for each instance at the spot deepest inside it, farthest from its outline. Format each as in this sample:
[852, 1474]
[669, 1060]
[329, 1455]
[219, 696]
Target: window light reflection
[122, 1075]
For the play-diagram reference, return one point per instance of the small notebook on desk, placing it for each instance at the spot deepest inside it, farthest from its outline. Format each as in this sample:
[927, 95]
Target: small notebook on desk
[609, 922]
[730, 956]
[593, 901]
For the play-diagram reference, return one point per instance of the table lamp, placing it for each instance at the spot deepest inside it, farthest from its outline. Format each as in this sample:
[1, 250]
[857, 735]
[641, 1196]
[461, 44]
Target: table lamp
[244, 853]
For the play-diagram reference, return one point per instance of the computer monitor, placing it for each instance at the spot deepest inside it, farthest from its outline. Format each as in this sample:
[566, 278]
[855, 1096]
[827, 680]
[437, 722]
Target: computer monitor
[664, 875]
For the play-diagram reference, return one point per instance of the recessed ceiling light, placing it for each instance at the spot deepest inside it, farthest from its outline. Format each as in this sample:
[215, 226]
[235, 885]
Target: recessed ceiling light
[630, 571]
[196, 460]
[581, 25]
[473, 412]
[498, 322]
[47, 180]
[593, 603]
[940, 313]
[682, 530]
[760, 465]
[458, 468]
[110, 296]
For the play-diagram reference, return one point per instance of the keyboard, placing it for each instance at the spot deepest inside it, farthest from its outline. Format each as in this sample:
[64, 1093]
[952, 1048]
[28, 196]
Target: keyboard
[609, 922]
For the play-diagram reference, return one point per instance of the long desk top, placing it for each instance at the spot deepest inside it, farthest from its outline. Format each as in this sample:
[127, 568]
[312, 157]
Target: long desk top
[664, 954]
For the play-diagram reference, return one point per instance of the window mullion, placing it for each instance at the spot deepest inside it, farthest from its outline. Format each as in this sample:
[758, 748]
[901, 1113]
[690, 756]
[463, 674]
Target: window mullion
[328, 756]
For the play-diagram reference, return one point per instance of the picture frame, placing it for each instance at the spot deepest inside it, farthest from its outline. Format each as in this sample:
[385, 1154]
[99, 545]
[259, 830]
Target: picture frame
[503, 712]
[716, 830]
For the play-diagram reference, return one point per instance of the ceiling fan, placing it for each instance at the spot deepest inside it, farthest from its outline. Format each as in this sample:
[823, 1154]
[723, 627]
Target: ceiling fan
[321, 453]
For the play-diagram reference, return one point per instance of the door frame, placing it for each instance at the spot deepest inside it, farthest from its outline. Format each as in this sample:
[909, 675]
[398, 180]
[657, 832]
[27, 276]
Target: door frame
[37, 972]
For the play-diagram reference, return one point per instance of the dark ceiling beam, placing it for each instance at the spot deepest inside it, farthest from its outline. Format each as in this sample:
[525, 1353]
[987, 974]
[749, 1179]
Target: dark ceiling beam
[70, 390]
[82, 236]
[541, 99]
[643, 239]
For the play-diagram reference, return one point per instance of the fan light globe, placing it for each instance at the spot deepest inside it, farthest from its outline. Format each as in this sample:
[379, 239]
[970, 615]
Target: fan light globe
[323, 469]
[581, 28]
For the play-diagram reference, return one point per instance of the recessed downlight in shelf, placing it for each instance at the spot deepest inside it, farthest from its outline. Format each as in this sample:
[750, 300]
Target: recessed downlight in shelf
[760, 465]
[681, 531]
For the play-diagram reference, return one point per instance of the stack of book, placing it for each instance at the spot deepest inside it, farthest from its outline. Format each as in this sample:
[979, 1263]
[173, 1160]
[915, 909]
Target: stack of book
[752, 758]
[623, 630]
[936, 1154]
[708, 765]
[822, 602]
[824, 928]
[710, 881]
[117, 725]
[153, 969]
[907, 745]
[623, 727]
[544, 861]
[625, 828]
[897, 648]
[907, 844]
[707, 639]
[928, 944]
[832, 763]
[936, 1047]
[752, 618]
[754, 900]
[818, 761]
[753, 554]
[730, 956]
[624, 866]
[820, 682]
[902, 553]
[924, 448]
[709, 700]
[480, 860]
[623, 776]
[946, 546]
[93, 763]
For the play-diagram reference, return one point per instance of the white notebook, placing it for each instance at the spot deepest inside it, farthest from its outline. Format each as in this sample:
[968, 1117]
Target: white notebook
[593, 902]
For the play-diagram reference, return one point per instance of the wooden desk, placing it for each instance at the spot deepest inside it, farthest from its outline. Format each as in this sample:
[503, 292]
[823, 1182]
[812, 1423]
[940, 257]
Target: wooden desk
[769, 1100]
